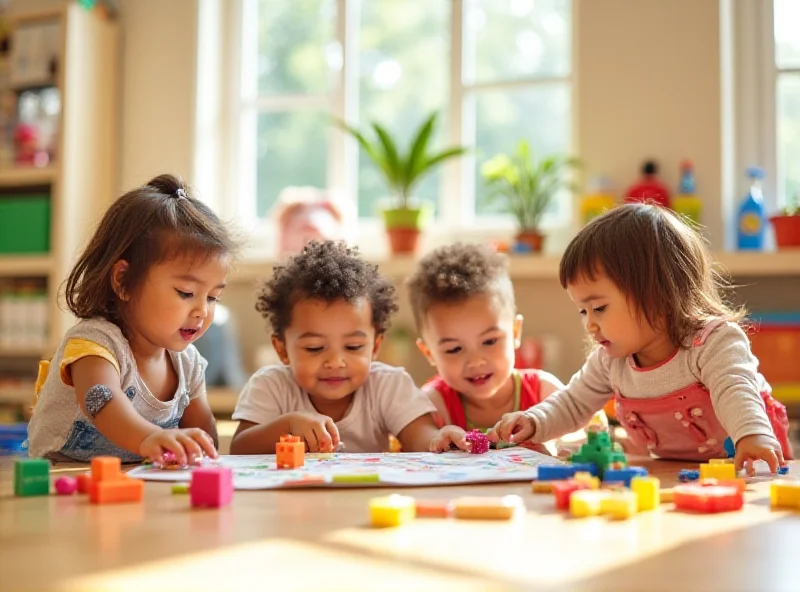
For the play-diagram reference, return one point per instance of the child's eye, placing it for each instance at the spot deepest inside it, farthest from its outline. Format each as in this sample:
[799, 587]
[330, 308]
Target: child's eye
[491, 341]
[213, 299]
[355, 347]
[582, 312]
[600, 308]
[313, 350]
[184, 295]
[453, 350]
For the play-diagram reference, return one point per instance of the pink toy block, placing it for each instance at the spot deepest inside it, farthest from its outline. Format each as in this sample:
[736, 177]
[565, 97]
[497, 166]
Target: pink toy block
[66, 485]
[212, 487]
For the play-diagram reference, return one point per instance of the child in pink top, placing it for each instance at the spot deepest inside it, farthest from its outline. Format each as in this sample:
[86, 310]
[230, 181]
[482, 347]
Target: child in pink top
[669, 350]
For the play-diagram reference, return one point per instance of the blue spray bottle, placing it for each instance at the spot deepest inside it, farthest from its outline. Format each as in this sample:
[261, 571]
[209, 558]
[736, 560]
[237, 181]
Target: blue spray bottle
[752, 218]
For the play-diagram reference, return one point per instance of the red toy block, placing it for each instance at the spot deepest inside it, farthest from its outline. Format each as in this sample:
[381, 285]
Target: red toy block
[738, 484]
[212, 487]
[563, 489]
[122, 490]
[83, 482]
[290, 452]
[434, 508]
[106, 468]
[708, 498]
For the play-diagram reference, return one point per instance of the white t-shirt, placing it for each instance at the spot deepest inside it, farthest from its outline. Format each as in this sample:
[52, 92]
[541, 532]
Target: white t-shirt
[387, 403]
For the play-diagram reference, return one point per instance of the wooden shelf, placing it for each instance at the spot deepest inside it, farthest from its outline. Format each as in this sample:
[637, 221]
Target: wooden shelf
[21, 352]
[28, 176]
[774, 264]
[25, 265]
[16, 396]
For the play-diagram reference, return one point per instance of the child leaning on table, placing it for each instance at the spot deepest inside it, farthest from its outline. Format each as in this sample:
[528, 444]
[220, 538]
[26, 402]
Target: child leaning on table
[329, 311]
[463, 304]
[126, 380]
[669, 350]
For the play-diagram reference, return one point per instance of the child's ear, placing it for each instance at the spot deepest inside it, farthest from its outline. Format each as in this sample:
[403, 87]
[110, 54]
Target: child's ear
[421, 346]
[517, 331]
[376, 347]
[280, 349]
[118, 279]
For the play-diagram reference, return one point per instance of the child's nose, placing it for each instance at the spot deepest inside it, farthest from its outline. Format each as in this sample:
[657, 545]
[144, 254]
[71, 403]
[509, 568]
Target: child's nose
[335, 359]
[475, 361]
[201, 310]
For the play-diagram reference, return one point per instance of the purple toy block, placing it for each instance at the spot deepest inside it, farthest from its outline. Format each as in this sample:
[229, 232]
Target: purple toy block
[212, 487]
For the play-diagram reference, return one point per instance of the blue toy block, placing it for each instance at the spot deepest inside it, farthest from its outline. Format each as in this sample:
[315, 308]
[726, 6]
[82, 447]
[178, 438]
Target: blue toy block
[783, 470]
[685, 475]
[555, 472]
[623, 475]
[730, 449]
[590, 468]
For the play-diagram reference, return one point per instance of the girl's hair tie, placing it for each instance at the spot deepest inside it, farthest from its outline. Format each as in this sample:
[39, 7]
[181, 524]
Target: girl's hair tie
[180, 193]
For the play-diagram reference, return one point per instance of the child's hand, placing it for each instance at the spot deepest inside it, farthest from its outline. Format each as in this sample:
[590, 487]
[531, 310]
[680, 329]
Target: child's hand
[449, 434]
[188, 445]
[319, 431]
[513, 427]
[755, 447]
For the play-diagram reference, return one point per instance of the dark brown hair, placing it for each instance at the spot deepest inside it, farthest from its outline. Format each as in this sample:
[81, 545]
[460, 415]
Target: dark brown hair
[455, 273]
[659, 262]
[146, 226]
[329, 271]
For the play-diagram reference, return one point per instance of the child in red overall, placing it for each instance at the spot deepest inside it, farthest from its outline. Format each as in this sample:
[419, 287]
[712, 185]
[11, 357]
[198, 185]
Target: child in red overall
[463, 304]
[670, 351]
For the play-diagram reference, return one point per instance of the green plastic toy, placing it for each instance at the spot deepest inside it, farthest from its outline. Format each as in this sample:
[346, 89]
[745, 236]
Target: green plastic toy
[31, 477]
[600, 451]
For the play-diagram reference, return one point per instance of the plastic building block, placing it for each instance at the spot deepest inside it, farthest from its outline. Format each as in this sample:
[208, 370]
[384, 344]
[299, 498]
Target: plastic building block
[171, 463]
[121, 490]
[290, 452]
[180, 488]
[719, 461]
[212, 487]
[542, 486]
[392, 510]
[479, 442]
[685, 475]
[83, 482]
[588, 480]
[31, 477]
[586, 502]
[730, 449]
[785, 494]
[600, 451]
[783, 470]
[590, 468]
[708, 499]
[106, 468]
[66, 485]
[620, 505]
[624, 475]
[647, 492]
[434, 508]
[562, 490]
[738, 484]
[667, 495]
[709, 471]
[488, 508]
[305, 481]
[555, 472]
[365, 478]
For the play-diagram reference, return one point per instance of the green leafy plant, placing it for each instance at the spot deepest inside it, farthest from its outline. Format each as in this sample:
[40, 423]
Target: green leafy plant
[526, 185]
[402, 172]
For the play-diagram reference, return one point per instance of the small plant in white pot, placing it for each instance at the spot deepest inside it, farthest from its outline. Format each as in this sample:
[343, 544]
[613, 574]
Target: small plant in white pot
[527, 187]
[406, 216]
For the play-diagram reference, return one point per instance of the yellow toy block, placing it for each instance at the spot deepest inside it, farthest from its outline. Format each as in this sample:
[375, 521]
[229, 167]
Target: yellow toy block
[718, 471]
[620, 505]
[720, 461]
[587, 479]
[586, 502]
[542, 487]
[647, 492]
[785, 494]
[392, 510]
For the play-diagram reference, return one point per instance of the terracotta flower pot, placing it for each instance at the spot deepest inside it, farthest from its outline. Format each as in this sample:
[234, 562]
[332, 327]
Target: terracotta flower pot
[787, 230]
[404, 225]
[531, 238]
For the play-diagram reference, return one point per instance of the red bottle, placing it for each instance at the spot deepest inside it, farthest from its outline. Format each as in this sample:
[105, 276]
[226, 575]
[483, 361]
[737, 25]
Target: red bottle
[649, 188]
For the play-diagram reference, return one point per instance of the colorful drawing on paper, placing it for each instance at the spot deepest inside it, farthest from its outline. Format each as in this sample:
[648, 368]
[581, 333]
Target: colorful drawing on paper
[392, 469]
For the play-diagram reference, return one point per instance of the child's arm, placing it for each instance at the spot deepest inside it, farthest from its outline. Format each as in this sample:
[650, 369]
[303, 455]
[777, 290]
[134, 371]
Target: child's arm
[114, 416]
[418, 435]
[441, 416]
[319, 432]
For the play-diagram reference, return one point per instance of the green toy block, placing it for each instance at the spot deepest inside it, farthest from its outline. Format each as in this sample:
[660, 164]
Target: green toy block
[31, 477]
[601, 451]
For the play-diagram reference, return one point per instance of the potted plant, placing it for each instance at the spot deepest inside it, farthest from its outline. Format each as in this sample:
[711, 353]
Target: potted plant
[406, 216]
[787, 225]
[527, 187]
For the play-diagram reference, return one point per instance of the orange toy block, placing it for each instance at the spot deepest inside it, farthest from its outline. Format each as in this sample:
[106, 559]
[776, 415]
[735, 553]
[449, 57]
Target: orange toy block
[124, 489]
[290, 452]
[106, 468]
[83, 482]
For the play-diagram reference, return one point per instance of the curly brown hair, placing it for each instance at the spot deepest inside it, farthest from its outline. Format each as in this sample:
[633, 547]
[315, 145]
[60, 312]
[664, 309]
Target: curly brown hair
[329, 271]
[457, 272]
[660, 263]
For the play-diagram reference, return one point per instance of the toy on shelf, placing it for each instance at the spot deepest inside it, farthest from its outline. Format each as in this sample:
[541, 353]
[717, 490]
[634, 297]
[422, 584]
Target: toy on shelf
[752, 218]
[108, 484]
[601, 452]
[600, 199]
[392, 510]
[686, 202]
[290, 452]
[649, 188]
[211, 487]
[31, 477]
[479, 443]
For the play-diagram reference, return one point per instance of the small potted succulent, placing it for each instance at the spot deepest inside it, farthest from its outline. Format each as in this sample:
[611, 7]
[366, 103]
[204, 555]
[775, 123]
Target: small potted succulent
[787, 225]
[527, 186]
[406, 216]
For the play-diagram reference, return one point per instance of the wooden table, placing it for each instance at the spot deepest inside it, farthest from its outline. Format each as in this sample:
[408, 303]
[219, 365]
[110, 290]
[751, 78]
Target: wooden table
[320, 540]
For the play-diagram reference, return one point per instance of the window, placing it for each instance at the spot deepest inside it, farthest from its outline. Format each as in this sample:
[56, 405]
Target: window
[787, 90]
[496, 71]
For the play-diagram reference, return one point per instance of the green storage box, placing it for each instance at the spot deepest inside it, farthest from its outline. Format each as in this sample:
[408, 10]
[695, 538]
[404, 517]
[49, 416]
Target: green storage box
[24, 223]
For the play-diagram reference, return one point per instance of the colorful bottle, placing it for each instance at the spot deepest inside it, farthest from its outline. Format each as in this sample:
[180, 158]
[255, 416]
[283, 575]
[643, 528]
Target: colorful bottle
[752, 218]
[686, 202]
[599, 199]
[649, 188]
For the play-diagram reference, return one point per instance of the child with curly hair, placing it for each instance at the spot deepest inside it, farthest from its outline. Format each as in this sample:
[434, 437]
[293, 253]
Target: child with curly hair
[329, 311]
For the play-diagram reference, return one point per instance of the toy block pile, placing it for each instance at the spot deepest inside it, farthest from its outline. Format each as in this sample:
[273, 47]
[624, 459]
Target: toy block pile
[396, 510]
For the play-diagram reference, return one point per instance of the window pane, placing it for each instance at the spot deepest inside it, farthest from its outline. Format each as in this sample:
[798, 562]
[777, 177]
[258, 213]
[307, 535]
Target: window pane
[296, 45]
[291, 150]
[789, 136]
[513, 39]
[787, 33]
[404, 75]
[540, 114]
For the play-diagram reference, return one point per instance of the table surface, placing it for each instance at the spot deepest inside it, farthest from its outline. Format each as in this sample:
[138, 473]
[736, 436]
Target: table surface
[321, 539]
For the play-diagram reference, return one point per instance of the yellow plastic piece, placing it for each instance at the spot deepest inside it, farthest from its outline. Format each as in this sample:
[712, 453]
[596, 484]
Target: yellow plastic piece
[620, 505]
[542, 486]
[587, 502]
[647, 492]
[720, 461]
[723, 472]
[180, 488]
[488, 508]
[785, 494]
[392, 510]
[587, 479]
[667, 495]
